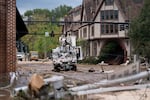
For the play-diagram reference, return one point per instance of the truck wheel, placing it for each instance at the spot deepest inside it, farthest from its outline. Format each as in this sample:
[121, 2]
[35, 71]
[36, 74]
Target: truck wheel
[56, 68]
[74, 67]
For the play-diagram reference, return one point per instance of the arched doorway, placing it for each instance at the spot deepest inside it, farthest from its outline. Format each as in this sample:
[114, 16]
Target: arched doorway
[113, 52]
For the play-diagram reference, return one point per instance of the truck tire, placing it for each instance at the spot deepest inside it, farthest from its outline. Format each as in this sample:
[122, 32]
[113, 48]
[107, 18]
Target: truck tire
[57, 68]
[74, 68]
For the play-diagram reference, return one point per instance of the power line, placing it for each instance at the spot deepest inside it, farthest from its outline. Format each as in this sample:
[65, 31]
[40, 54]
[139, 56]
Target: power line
[32, 33]
[81, 22]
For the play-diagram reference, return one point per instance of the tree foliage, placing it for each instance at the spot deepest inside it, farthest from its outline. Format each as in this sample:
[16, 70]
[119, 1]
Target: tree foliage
[36, 39]
[140, 31]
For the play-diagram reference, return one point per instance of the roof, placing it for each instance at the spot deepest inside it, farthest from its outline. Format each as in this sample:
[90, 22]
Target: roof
[21, 28]
[90, 7]
[129, 8]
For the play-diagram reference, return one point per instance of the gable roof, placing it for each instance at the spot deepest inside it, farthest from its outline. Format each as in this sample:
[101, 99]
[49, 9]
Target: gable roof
[129, 8]
[89, 8]
[21, 28]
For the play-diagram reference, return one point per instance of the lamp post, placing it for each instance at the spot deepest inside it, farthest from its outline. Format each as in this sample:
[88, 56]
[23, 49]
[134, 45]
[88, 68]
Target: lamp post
[45, 49]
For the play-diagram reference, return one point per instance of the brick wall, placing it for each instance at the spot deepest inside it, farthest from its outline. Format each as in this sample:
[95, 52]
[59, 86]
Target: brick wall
[2, 36]
[7, 35]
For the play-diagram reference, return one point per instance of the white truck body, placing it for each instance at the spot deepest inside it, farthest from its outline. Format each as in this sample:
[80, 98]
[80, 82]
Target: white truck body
[65, 56]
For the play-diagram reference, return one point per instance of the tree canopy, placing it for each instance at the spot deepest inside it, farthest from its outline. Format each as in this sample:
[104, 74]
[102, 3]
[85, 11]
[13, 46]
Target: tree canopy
[36, 39]
[140, 31]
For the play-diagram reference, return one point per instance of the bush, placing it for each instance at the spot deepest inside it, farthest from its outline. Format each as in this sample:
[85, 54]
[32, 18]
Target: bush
[89, 60]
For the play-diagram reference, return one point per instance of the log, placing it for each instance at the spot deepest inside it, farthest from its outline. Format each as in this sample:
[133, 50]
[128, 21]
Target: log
[105, 83]
[110, 89]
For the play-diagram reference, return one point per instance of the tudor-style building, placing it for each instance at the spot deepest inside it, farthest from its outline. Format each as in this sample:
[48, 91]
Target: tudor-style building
[98, 35]
[73, 15]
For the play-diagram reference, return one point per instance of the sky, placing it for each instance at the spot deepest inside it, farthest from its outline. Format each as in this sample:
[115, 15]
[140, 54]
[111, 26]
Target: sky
[24, 5]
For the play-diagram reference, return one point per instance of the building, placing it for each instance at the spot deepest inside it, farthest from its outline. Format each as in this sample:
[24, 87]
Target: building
[11, 28]
[74, 16]
[7, 35]
[114, 16]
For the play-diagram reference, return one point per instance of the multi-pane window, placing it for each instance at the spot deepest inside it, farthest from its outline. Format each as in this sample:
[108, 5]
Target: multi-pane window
[109, 2]
[109, 15]
[109, 28]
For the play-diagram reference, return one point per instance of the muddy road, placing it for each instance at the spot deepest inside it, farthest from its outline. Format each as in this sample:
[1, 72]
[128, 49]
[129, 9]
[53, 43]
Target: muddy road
[27, 68]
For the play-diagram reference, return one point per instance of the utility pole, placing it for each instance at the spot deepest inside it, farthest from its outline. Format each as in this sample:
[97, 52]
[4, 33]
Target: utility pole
[45, 47]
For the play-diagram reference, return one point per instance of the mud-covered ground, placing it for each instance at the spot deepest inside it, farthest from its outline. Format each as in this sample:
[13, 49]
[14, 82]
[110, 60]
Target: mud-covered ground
[81, 76]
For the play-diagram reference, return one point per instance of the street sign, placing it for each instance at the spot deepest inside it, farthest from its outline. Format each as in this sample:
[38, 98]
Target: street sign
[46, 34]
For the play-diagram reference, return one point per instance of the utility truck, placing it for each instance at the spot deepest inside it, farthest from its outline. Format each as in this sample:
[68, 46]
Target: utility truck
[65, 56]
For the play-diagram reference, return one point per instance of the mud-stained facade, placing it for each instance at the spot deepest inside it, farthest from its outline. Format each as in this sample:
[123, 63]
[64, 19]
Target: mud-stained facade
[99, 34]
[7, 36]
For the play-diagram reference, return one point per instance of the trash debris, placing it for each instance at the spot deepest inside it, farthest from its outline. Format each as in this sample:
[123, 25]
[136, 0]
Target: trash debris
[103, 63]
[36, 82]
[91, 70]
[126, 63]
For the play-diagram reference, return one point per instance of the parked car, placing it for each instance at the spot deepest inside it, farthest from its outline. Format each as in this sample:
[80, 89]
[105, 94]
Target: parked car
[34, 55]
[20, 56]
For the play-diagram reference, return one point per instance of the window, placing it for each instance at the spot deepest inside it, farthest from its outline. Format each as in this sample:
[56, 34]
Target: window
[115, 14]
[109, 2]
[102, 15]
[102, 29]
[109, 15]
[116, 28]
[122, 27]
[80, 33]
[127, 26]
[109, 28]
[85, 32]
[92, 30]
[94, 51]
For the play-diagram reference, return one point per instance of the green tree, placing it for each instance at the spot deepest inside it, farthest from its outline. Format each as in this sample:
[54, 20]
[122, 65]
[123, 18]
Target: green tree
[36, 39]
[140, 31]
[28, 13]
